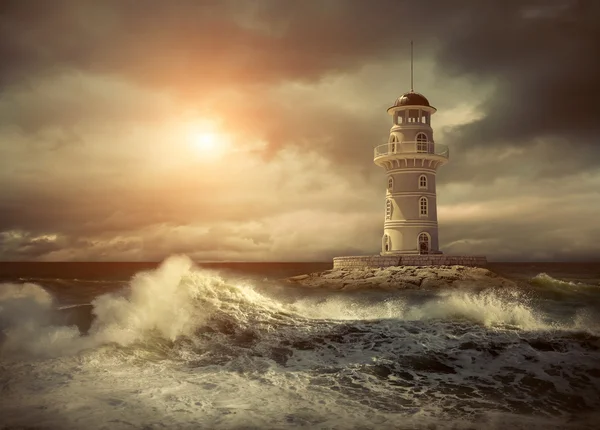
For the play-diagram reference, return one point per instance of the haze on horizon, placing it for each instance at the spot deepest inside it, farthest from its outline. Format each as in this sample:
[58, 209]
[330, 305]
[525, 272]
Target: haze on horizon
[235, 130]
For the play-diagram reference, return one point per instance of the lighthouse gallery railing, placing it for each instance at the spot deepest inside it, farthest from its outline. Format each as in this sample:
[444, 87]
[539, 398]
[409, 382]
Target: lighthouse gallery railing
[412, 148]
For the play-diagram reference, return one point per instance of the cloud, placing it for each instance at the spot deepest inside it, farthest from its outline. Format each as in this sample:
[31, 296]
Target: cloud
[74, 99]
[195, 44]
[537, 54]
[95, 98]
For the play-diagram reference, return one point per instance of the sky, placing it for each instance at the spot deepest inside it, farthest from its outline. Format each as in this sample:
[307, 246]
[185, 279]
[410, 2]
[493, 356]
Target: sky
[244, 131]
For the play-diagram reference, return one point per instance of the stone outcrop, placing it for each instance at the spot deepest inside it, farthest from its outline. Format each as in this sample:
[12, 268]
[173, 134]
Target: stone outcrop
[401, 277]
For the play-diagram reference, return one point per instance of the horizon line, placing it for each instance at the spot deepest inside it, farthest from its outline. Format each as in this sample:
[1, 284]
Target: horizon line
[257, 262]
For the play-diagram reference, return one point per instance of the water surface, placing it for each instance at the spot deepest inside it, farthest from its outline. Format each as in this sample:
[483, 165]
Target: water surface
[116, 346]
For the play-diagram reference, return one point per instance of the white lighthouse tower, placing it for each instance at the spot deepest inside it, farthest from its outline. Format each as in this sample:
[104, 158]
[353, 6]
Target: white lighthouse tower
[411, 159]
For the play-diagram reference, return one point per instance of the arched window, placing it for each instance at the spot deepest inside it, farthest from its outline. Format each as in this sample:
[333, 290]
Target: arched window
[423, 206]
[390, 183]
[388, 209]
[423, 181]
[421, 142]
[424, 243]
[387, 243]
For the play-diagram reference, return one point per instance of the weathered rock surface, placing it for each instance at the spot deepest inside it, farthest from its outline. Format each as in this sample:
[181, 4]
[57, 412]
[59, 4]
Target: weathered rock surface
[401, 277]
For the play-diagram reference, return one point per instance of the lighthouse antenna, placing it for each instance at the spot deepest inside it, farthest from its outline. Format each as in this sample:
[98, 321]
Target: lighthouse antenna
[411, 67]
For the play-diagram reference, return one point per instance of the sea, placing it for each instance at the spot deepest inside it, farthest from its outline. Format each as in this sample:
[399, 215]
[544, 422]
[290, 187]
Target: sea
[178, 345]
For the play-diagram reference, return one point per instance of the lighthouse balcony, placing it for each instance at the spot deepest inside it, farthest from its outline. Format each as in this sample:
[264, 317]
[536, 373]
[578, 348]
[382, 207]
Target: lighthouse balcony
[425, 150]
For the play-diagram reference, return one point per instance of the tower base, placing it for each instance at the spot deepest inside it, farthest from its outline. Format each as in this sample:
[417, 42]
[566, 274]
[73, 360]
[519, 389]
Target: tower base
[406, 253]
[377, 261]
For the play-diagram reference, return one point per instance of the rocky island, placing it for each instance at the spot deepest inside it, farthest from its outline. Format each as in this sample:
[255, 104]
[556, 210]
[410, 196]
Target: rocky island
[400, 277]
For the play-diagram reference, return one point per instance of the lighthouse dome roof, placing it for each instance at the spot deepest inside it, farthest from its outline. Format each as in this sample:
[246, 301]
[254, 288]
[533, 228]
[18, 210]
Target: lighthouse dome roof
[411, 99]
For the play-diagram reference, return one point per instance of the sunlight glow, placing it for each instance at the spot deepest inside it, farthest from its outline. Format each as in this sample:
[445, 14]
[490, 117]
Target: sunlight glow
[206, 141]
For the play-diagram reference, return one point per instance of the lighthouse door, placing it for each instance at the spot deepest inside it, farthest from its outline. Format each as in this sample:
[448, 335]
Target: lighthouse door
[386, 243]
[423, 243]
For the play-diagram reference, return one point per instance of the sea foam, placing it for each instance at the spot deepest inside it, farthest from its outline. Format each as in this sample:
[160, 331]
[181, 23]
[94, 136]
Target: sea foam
[183, 347]
[169, 302]
[177, 298]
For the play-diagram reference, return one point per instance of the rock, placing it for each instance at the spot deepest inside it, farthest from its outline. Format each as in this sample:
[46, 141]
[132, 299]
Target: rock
[298, 278]
[401, 277]
[333, 275]
[433, 283]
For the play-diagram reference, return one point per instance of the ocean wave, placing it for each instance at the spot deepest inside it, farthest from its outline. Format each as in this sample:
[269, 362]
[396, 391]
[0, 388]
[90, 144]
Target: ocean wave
[488, 307]
[228, 354]
[546, 280]
[171, 301]
[177, 299]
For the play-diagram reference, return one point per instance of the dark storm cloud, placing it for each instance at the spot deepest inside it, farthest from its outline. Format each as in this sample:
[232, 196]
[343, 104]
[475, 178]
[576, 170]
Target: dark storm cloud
[539, 58]
[196, 42]
[539, 55]
[26, 246]
[113, 211]
[196, 48]
[101, 206]
[521, 241]
[542, 58]
[337, 133]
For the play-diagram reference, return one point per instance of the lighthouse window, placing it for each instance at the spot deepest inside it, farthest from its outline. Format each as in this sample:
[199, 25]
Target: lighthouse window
[423, 206]
[386, 243]
[423, 181]
[413, 115]
[390, 183]
[388, 209]
[421, 142]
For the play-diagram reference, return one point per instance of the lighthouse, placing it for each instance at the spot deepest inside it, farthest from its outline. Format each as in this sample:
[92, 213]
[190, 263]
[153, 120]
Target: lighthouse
[411, 159]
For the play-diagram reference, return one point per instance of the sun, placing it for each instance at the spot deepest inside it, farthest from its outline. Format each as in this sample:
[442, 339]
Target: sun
[208, 144]
[205, 141]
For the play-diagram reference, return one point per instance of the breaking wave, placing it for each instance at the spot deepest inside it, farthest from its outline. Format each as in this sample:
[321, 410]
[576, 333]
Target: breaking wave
[547, 281]
[177, 299]
[169, 302]
[185, 339]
